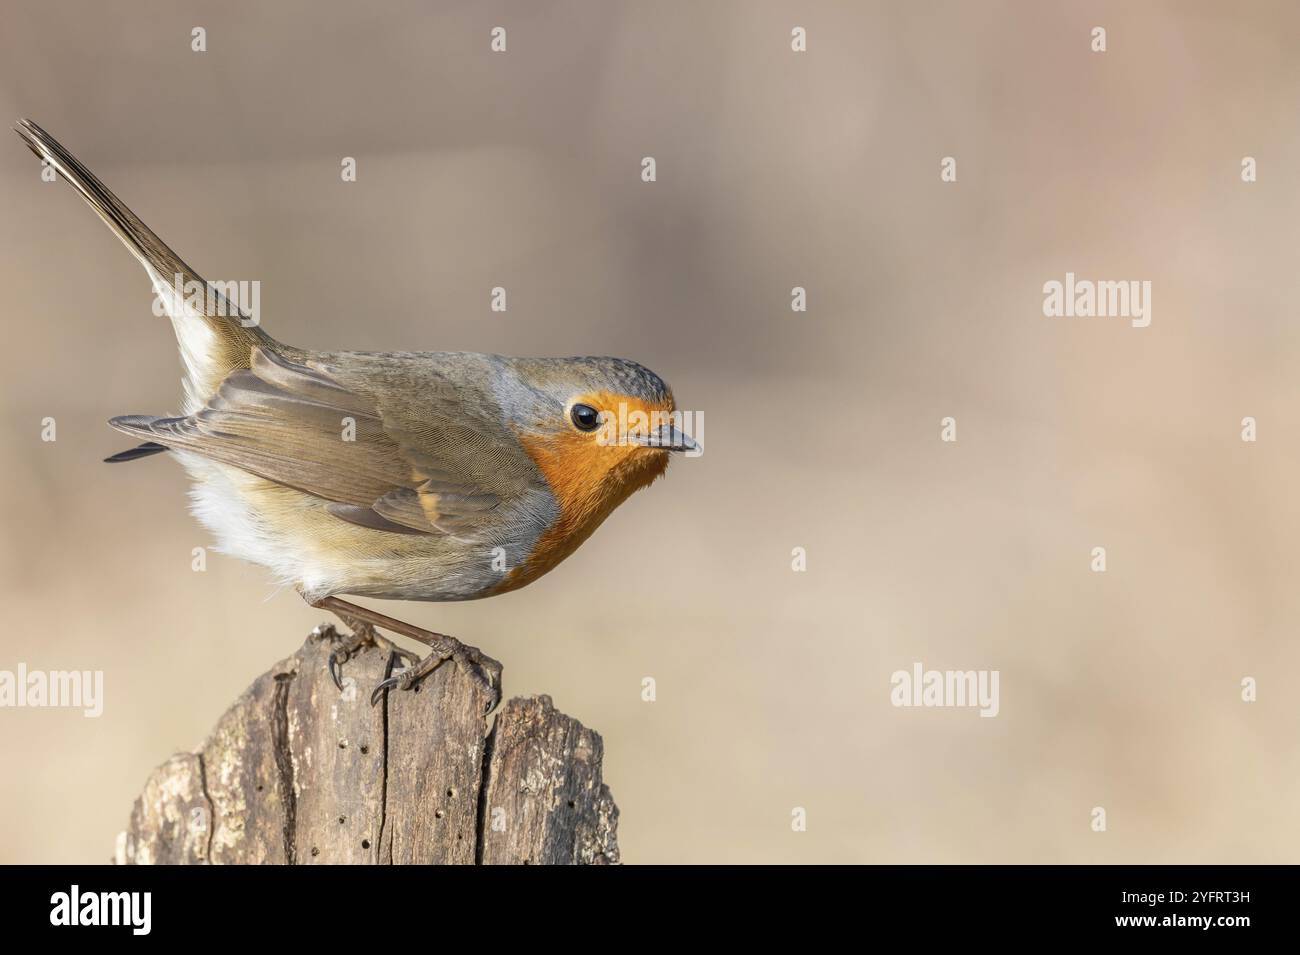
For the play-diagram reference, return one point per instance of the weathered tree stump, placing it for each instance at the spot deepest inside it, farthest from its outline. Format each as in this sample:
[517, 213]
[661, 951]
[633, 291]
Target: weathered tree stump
[296, 772]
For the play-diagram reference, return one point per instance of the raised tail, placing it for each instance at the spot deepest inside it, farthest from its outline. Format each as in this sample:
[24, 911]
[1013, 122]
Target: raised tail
[215, 337]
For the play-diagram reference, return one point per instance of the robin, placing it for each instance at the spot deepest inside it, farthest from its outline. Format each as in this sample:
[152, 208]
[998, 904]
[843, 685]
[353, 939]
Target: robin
[400, 475]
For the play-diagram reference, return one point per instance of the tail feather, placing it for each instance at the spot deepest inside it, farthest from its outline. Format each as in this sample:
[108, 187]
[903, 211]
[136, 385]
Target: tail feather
[154, 254]
[139, 451]
[215, 339]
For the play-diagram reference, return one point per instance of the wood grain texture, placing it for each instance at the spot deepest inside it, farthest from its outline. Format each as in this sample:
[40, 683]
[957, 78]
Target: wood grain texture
[297, 773]
[546, 803]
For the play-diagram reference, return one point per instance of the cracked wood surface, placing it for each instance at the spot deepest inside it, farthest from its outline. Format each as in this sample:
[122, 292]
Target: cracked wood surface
[296, 772]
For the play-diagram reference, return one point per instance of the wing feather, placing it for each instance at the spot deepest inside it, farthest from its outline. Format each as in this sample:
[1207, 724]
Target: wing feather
[413, 470]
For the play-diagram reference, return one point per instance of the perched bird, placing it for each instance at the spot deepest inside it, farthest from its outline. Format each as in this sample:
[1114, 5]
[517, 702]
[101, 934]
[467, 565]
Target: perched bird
[404, 475]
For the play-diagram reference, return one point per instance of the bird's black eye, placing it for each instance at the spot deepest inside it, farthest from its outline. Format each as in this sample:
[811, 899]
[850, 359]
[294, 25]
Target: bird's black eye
[585, 417]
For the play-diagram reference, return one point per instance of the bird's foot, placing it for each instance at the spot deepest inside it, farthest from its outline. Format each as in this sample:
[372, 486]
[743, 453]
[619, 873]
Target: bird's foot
[474, 661]
[363, 635]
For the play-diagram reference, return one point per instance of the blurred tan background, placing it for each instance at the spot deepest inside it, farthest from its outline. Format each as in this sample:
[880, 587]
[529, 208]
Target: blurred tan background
[775, 169]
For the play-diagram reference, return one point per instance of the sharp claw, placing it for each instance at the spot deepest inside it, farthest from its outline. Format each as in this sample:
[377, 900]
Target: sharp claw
[336, 671]
[388, 684]
[473, 661]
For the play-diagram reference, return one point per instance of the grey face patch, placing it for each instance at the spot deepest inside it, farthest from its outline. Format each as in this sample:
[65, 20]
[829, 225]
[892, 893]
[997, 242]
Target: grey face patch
[536, 391]
[623, 377]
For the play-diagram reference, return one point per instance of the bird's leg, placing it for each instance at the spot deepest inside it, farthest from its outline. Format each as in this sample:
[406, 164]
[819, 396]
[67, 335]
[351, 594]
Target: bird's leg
[441, 646]
[363, 635]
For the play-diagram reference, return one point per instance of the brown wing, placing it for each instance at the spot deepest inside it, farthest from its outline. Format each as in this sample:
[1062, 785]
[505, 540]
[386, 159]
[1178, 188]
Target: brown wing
[411, 472]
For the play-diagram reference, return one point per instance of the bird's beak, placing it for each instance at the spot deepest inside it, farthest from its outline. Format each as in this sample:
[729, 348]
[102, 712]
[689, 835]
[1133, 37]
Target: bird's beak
[667, 438]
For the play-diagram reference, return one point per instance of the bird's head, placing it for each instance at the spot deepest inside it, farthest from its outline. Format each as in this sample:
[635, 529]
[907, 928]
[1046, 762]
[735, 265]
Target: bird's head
[599, 429]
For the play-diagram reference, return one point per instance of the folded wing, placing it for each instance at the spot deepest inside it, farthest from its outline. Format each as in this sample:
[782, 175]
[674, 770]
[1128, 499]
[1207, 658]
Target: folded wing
[418, 468]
